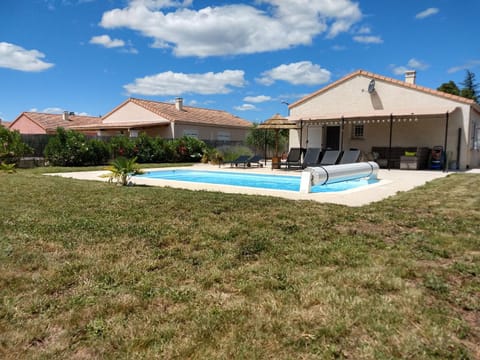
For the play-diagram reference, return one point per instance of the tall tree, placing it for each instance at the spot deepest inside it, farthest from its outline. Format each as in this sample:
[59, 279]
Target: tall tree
[470, 87]
[450, 88]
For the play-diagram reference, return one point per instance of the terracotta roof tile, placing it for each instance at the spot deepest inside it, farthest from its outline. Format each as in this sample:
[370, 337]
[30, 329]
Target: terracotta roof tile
[50, 122]
[388, 80]
[192, 114]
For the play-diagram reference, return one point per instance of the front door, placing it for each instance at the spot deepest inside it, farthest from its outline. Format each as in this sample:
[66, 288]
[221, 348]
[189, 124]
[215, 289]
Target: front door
[332, 138]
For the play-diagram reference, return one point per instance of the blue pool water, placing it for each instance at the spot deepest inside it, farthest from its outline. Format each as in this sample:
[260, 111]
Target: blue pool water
[263, 181]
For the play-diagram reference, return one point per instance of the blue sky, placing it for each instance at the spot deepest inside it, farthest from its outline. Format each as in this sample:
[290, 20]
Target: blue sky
[246, 57]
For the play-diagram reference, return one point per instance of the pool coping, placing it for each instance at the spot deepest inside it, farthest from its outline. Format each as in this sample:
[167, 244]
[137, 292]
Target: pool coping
[391, 182]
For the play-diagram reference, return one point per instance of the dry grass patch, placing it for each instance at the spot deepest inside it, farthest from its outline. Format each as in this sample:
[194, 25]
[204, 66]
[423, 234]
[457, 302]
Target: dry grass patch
[89, 270]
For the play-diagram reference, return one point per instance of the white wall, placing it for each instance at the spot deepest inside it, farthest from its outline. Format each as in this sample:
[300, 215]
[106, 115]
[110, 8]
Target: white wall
[351, 98]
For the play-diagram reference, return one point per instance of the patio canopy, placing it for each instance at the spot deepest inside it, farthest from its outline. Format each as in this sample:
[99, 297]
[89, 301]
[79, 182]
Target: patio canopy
[377, 118]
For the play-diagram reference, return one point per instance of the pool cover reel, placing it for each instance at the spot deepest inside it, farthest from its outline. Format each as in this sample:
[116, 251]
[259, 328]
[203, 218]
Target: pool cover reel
[323, 175]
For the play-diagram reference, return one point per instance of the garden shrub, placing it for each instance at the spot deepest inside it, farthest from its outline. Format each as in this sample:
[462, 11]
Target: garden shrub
[71, 148]
[12, 147]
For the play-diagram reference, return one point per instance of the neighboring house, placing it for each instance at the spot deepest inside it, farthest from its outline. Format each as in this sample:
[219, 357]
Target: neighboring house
[42, 123]
[170, 121]
[5, 124]
[365, 110]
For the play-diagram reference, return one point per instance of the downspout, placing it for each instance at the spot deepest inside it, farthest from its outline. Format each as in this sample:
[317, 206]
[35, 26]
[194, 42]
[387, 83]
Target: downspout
[445, 166]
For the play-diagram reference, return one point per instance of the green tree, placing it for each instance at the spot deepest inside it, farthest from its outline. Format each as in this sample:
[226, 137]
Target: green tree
[470, 87]
[12, 147]
[257, 138]
[450, 88]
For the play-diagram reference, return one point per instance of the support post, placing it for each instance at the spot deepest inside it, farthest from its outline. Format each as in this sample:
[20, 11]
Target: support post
[390, 143]
[265, 146]
[445, 165]
[341, 133]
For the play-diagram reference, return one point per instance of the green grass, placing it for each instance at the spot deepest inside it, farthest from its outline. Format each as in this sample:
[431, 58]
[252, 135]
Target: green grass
[91, 270]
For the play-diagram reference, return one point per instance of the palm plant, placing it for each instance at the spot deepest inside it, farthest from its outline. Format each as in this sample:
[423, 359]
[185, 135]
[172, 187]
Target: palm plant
[122, 170]
[8, 168]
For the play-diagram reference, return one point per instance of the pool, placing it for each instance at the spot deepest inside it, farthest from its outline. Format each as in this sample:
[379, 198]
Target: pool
[262, 181]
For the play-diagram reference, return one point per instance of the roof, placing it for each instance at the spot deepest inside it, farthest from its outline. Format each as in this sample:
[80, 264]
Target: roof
[50, 122]
[5, 124]
[188, 114]
[391, 81]
[277, 122]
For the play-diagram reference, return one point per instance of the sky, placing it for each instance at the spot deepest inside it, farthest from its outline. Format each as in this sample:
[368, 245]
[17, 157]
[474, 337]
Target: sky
[250, 58]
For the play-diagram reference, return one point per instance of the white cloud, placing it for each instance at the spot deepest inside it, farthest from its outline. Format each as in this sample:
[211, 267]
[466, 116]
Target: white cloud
[417, 64]
[469, 65]
[368, 39]
[364, 30]
[257, 99]
[426, 13]
[234, 28]
[17, 58]
[413, 64]
[106, 41]
[246, 107]
[170, 83]
[299, 73]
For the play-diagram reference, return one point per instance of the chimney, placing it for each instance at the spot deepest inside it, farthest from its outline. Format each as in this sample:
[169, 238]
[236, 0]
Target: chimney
[410, 76]
[65, 116]
[179, 103]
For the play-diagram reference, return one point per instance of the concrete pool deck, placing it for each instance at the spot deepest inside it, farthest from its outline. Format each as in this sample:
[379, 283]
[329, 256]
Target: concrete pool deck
[391, 182]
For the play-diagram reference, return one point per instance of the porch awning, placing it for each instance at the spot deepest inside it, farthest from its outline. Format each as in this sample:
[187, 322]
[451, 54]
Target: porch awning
[374, 117]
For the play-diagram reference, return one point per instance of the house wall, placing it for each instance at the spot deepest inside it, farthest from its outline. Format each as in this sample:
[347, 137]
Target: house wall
[131, 112]
[352, 98]
[26, 126]
[211, 132]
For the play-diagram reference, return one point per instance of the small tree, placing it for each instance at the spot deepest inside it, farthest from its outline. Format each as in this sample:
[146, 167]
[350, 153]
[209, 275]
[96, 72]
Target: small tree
[12, 148]
[449, 88]
[470, 87]
[122, 170]
[257, 138]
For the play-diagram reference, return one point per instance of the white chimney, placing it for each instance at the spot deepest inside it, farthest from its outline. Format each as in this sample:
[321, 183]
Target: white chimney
[65, 116]
[410, 76]
[179, 103]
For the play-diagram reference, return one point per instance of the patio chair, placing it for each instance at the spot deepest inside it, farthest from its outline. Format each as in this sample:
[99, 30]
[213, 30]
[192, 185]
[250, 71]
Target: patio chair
[294, 158]
[350, 156]
[312, 157]
[241, 160]
[255, 159]
[330, 157]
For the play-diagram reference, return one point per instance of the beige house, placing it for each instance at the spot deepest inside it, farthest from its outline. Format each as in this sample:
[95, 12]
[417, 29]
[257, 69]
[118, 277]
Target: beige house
[369, 111]
[170, 121]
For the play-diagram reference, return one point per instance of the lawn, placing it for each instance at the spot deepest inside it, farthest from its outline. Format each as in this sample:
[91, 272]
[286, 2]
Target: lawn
[92, 270]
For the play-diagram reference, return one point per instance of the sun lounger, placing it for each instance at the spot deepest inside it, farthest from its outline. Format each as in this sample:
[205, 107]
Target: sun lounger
[330, 157]
[350, 156]
[255, 159]
[241, 160]
[294, 158]
[311, 157]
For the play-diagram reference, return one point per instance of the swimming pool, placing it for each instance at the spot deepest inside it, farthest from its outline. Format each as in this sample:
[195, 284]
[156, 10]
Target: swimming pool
[262, 181]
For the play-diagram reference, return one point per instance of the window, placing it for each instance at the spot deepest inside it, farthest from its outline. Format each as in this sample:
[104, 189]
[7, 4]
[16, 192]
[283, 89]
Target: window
[223, 136]
[476, 139]
[191, 133]
[358, 132]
